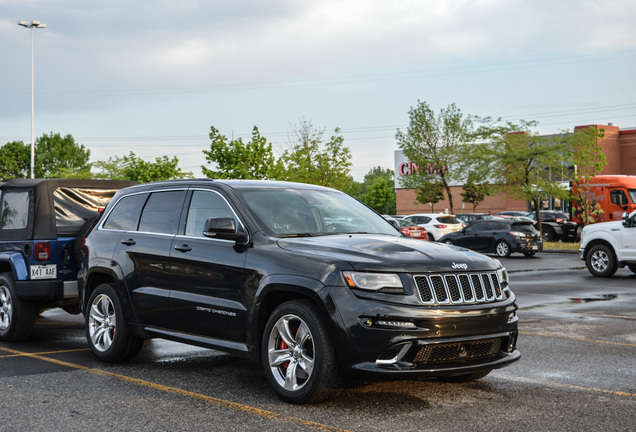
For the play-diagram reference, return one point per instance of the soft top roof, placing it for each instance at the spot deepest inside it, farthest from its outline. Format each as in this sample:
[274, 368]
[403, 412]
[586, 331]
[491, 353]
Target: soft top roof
[58, 207]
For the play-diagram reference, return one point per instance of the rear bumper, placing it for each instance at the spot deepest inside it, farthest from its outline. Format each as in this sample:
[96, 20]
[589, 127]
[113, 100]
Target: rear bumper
[46, 290]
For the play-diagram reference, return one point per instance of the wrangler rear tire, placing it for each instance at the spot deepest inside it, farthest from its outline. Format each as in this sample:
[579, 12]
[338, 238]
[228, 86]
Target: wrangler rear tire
[17, 317]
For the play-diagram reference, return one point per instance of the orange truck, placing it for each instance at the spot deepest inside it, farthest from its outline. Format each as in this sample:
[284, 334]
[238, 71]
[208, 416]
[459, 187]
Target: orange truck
[611, 196]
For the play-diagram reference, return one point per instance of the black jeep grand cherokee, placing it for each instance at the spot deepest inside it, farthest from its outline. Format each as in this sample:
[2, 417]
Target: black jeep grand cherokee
[302, 278]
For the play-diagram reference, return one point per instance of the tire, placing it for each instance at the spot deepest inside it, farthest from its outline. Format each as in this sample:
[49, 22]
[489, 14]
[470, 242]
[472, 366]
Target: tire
[547, 233]
[107, 332]
[430, 237]
[448, 242]
[80, 238]
[298, 355]
[502, 249]
[17, 317]
[632, 267]
[600, 261]
[529, 253]
[474, 376]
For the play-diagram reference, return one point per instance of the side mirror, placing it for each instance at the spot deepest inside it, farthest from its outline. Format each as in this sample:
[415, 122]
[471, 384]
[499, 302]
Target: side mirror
[626, 221]
[223, 228]
[395, 223]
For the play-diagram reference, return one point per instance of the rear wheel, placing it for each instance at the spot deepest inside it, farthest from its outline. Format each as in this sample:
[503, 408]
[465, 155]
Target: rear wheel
[502, 249]
[106, 330]
[529, 253]
[600, 261]
[17, 317]
[548, 234]
[297, 354]
[632, 267]
[448, 242]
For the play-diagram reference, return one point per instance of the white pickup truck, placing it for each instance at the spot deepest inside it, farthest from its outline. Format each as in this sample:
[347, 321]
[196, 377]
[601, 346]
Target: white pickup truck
[609, 245]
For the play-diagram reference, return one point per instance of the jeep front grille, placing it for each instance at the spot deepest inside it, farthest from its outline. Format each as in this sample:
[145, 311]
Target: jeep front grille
[459, 288]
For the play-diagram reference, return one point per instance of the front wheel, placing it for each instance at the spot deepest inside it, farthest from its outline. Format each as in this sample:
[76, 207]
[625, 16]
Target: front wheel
[298, 356]
[601, 262]
[106, 330]
[17, 317]
[502, 249]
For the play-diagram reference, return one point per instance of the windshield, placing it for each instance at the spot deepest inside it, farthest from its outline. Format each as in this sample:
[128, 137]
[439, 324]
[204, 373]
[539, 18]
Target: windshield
[302, 212]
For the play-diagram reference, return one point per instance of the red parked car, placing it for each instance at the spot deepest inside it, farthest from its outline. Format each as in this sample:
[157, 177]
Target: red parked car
[413, 230]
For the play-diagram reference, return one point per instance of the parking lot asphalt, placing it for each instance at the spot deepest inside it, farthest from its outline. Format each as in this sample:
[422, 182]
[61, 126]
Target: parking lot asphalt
[544, 261]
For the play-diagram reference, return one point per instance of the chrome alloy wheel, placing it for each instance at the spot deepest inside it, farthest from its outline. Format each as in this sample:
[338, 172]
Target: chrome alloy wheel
[101, 322]
[6, 308]
[291, 352]
[503, 250]
[600, 260]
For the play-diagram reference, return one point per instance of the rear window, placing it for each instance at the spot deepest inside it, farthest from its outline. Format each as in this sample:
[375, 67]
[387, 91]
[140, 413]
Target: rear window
[74, 206]
[526, 227]
[448, 220]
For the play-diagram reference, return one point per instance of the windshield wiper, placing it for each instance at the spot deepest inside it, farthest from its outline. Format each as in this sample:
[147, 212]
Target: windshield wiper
[295, 235]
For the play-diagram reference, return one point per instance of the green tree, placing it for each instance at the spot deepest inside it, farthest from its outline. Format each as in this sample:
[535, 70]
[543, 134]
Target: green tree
[434, 144]
[135, 168]
[111, 169]
[589, 161]
[377, 190]
[527, 166]
[429, 192]
[57, 157]
[16, 160]
[474, 192]
[312, 160]
[235, 159]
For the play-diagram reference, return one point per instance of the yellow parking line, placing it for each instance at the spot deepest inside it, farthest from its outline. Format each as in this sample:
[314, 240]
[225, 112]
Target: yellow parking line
[578, 339]
[554, 384]
[45, 353]
[212, 400]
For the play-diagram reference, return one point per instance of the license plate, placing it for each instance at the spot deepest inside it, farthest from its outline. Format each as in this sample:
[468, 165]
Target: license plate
[535, 247]
[48, 271]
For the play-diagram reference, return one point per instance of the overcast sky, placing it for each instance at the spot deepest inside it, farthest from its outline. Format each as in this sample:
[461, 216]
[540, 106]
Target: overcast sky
[153, 76]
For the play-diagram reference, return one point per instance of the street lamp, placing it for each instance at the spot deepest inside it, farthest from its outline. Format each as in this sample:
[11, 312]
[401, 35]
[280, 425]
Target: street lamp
[32, 25]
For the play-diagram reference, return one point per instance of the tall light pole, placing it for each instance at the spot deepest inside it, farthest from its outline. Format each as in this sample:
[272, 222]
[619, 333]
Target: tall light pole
[32, 25]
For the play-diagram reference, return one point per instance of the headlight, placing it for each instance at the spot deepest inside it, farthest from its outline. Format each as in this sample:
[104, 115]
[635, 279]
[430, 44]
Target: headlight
[379, 282]
[503, 277]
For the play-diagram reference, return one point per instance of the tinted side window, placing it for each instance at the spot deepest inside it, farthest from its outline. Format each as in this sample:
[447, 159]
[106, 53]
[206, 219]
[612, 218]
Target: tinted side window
[15, 210]
[161, 212]
[125, 215]
[204, 205]
[477, 227]
[618, 197]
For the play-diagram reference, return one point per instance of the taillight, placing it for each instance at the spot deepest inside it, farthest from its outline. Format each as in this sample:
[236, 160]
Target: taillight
[42, 251]
[440, 226]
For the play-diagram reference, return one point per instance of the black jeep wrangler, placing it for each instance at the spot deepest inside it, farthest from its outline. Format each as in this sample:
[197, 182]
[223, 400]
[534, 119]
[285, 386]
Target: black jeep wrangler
[39, 222]
[304, 279]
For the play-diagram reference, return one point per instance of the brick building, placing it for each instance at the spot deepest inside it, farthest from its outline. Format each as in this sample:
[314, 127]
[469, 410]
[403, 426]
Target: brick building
[619, 146]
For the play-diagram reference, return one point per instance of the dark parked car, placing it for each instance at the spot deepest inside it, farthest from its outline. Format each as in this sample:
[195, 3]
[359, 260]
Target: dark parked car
[472, 217]
[512, 213]
[304, 279]
[40, 221]
[556, 225]
[501, 236]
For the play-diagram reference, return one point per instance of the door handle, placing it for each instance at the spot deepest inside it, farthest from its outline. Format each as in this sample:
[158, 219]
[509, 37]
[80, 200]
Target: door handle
[129, 242]
[183, 248]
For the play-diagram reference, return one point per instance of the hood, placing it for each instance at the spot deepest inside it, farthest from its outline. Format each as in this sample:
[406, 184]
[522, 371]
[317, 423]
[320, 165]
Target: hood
[604, 226]
[386, 253]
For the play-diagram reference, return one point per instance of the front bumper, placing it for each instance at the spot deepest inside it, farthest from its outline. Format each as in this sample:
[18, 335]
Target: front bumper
[387, 341]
